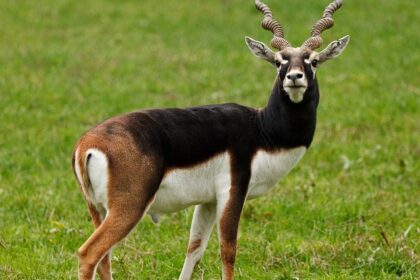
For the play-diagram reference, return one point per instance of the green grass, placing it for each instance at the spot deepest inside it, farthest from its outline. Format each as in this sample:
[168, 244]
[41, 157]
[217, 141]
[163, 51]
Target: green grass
[66, 65]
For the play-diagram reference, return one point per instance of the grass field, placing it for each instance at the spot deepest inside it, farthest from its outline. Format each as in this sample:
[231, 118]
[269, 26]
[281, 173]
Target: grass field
[349, 210]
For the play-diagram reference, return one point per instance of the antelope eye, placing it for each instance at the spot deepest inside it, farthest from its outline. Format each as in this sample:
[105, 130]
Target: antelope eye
[278, 64]
[314, 63]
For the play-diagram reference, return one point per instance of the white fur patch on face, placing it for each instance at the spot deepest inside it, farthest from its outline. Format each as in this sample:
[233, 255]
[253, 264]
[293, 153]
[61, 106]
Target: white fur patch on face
[313, 57]
[295, 88]
[280, 61]
[295, 95]
[280, 64]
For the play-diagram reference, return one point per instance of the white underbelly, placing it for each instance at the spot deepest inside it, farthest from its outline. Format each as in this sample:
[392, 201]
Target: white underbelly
[182, 188]
[269, 168]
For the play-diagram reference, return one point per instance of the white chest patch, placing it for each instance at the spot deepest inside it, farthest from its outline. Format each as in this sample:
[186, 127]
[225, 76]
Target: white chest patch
[268, 168]
[182, 188]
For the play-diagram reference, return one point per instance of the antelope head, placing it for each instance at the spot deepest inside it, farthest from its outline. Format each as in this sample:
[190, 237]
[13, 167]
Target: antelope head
[297, 67]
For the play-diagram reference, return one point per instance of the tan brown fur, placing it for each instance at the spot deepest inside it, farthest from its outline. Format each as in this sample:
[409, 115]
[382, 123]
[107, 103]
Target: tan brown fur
[228, 227]
[104, 267]
[128, 196]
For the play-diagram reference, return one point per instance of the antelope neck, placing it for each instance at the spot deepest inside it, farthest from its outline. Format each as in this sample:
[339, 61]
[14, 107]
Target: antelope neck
[284, 124]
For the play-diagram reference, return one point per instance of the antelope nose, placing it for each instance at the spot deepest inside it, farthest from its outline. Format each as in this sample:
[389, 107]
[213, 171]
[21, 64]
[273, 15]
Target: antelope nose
[294, 76]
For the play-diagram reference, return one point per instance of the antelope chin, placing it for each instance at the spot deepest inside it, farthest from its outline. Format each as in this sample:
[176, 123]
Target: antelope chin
[295, 93]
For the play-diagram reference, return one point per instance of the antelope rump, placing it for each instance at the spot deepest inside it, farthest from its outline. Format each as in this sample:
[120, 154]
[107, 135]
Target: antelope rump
[214, 157]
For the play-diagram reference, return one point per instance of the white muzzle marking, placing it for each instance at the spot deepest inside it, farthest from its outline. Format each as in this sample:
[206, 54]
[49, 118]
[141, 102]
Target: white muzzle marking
[295, 84]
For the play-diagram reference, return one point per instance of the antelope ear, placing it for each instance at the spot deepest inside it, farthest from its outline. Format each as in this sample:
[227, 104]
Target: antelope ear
[334, 49]
[260, 50]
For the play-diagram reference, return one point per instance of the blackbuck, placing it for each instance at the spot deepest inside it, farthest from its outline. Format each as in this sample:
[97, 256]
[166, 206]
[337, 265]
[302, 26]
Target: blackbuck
[214, 157]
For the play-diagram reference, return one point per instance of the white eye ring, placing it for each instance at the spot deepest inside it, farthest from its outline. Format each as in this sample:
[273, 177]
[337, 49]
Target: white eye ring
[311, 62]
[280, 63]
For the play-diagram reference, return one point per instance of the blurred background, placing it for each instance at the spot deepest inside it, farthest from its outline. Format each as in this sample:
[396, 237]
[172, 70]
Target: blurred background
[349, 210]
